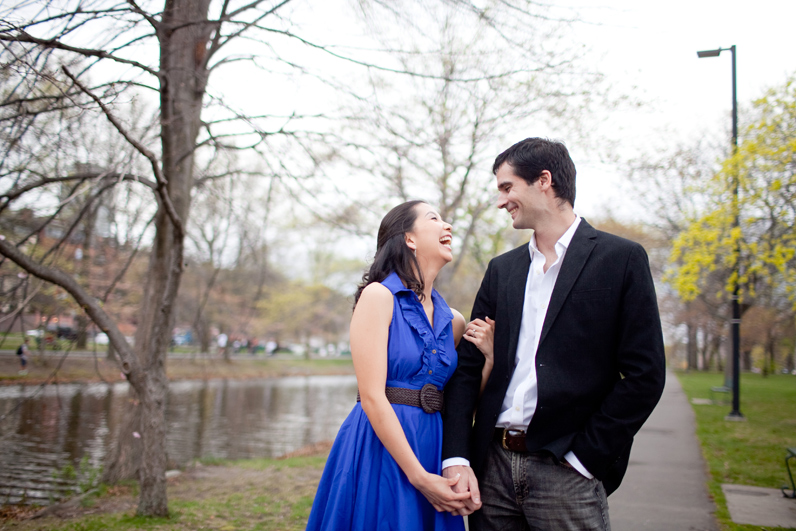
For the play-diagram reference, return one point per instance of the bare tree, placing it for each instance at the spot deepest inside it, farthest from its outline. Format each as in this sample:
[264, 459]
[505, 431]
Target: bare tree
[189, 38]
[62, 58]
[473, 92]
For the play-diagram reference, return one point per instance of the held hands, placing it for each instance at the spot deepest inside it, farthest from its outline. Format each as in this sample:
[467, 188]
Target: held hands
[482, 334]
[465, 482]
[439, 492]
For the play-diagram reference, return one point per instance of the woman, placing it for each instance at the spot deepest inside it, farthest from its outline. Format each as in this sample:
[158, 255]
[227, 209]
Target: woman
[383, 471]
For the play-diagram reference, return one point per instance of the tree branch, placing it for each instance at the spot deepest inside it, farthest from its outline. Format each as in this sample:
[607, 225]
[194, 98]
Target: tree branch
[86, 301]
[22, 36]
[161, 180]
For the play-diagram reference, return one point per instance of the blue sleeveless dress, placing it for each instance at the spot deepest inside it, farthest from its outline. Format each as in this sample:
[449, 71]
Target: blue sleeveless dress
[362, 487]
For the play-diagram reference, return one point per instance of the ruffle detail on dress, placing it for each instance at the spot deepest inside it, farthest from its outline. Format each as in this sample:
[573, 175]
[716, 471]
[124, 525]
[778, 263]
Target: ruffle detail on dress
[439, 362]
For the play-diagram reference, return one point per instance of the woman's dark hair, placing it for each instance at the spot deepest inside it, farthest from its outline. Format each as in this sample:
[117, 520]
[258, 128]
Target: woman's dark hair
[392, 253]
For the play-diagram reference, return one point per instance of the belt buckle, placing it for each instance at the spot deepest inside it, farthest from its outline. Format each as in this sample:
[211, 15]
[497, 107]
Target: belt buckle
[505, 433]
[427, 396]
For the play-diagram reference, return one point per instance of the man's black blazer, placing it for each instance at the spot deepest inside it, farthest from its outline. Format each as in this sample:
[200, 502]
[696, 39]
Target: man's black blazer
[600, 362]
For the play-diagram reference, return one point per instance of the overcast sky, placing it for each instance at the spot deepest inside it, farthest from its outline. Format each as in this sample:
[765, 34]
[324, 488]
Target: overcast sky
[649, 49]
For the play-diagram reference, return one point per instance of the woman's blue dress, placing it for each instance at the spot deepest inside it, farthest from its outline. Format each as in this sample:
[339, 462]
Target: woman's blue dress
[362, 487]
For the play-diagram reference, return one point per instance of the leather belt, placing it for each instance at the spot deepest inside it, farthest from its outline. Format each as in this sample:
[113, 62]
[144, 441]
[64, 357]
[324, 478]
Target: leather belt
[429, 398]
[513, 440]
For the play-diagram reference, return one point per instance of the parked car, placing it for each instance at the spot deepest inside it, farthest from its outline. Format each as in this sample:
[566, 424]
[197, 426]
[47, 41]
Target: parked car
[66, 332]
[101, 339]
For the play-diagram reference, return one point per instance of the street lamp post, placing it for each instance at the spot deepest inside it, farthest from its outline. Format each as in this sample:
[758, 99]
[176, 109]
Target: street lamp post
[735, 414]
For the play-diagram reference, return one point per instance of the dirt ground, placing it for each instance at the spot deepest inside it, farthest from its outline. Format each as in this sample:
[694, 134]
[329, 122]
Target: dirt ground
[257, 495]
[201, 493]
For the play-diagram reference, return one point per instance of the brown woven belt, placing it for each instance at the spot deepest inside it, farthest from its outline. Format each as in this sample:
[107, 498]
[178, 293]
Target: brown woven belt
[429, 398]
[513, 440]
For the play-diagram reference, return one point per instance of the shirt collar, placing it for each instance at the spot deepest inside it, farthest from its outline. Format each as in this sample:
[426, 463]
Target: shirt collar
[563, 242]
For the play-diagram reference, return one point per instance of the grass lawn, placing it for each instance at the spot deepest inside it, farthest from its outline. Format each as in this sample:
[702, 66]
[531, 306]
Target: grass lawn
[87, 369]
[256, 494]
[750, 452]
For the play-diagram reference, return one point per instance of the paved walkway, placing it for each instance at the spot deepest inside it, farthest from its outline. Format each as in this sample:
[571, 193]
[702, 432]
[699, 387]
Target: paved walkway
[664, 488]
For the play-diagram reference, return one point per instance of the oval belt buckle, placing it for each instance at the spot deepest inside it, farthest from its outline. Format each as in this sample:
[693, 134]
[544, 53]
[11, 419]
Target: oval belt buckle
[427, 394]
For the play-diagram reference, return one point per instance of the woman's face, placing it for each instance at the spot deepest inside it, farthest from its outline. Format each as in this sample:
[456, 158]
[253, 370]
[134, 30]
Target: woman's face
[430, 236]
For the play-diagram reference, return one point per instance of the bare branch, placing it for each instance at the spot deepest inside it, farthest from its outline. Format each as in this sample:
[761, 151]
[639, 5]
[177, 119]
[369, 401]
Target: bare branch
[374, 66]
[83, 298]
[217, 43]
[119, 177]
[127, 264]
[161, 180]
[149, 18]
[87, 52]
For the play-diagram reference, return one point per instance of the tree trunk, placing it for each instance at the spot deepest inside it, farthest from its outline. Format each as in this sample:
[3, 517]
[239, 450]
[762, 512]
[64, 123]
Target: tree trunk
[82, 320]
[746, 360]
[183, 35]
[728, 364]
[691, 347]
[204, 337]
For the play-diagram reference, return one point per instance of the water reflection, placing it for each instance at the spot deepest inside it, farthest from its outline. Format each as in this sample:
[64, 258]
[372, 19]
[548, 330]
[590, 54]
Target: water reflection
[218, 418]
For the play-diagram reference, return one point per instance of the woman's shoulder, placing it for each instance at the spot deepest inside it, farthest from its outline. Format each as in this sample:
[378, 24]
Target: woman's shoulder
[375, 302]
[376, 292]
[459, 324]
[458, 318]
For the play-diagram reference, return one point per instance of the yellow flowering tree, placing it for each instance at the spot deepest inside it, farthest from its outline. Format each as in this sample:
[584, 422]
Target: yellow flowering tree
[758, 252]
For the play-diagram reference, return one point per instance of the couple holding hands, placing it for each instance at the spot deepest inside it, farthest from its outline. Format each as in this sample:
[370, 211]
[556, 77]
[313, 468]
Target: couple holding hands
[560, 366]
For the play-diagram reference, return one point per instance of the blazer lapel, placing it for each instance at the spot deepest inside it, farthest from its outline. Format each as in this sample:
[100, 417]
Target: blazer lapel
[577, 253]
[517, 280]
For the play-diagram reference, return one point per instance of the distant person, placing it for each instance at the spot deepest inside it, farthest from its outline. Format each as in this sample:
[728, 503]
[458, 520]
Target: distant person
[221, 341]
[270, 346]
[22, 354]
[578, 360]
[383, 471]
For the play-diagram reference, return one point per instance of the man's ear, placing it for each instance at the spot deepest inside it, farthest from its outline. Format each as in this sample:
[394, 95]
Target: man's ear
[545, 180]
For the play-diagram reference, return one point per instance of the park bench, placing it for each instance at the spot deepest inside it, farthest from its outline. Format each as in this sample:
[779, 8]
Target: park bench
[722, 390]
[791, 454]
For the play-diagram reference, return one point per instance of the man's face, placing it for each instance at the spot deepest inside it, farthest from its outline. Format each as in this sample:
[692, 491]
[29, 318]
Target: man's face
[520, 199]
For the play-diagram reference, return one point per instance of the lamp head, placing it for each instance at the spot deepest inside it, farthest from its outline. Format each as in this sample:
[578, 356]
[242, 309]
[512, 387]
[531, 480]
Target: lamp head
[709, 53]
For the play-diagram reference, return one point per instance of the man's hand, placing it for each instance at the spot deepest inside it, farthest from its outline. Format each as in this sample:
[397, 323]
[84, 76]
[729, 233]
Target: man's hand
[466, 483]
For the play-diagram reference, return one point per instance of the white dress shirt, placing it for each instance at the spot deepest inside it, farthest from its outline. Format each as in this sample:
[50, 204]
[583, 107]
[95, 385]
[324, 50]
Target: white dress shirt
[522, 395]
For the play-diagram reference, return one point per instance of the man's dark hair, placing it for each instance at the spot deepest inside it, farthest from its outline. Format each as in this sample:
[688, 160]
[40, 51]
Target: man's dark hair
[530, 157]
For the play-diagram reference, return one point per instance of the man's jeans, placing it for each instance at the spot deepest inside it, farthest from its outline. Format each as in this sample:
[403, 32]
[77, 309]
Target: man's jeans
[521, 492]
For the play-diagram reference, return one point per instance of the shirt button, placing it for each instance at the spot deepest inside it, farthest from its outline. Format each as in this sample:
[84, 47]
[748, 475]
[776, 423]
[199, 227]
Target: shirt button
[430, 372]
[516, 408]
[434, 351]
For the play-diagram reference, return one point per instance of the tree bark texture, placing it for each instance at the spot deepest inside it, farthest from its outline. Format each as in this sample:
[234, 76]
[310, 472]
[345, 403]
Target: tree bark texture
[183, 34]
[691, 346]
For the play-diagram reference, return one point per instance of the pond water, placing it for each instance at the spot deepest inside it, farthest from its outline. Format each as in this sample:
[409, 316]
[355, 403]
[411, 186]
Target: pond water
[69, 424]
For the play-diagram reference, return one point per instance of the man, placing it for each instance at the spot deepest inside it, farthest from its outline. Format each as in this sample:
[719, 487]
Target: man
[578, 360]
